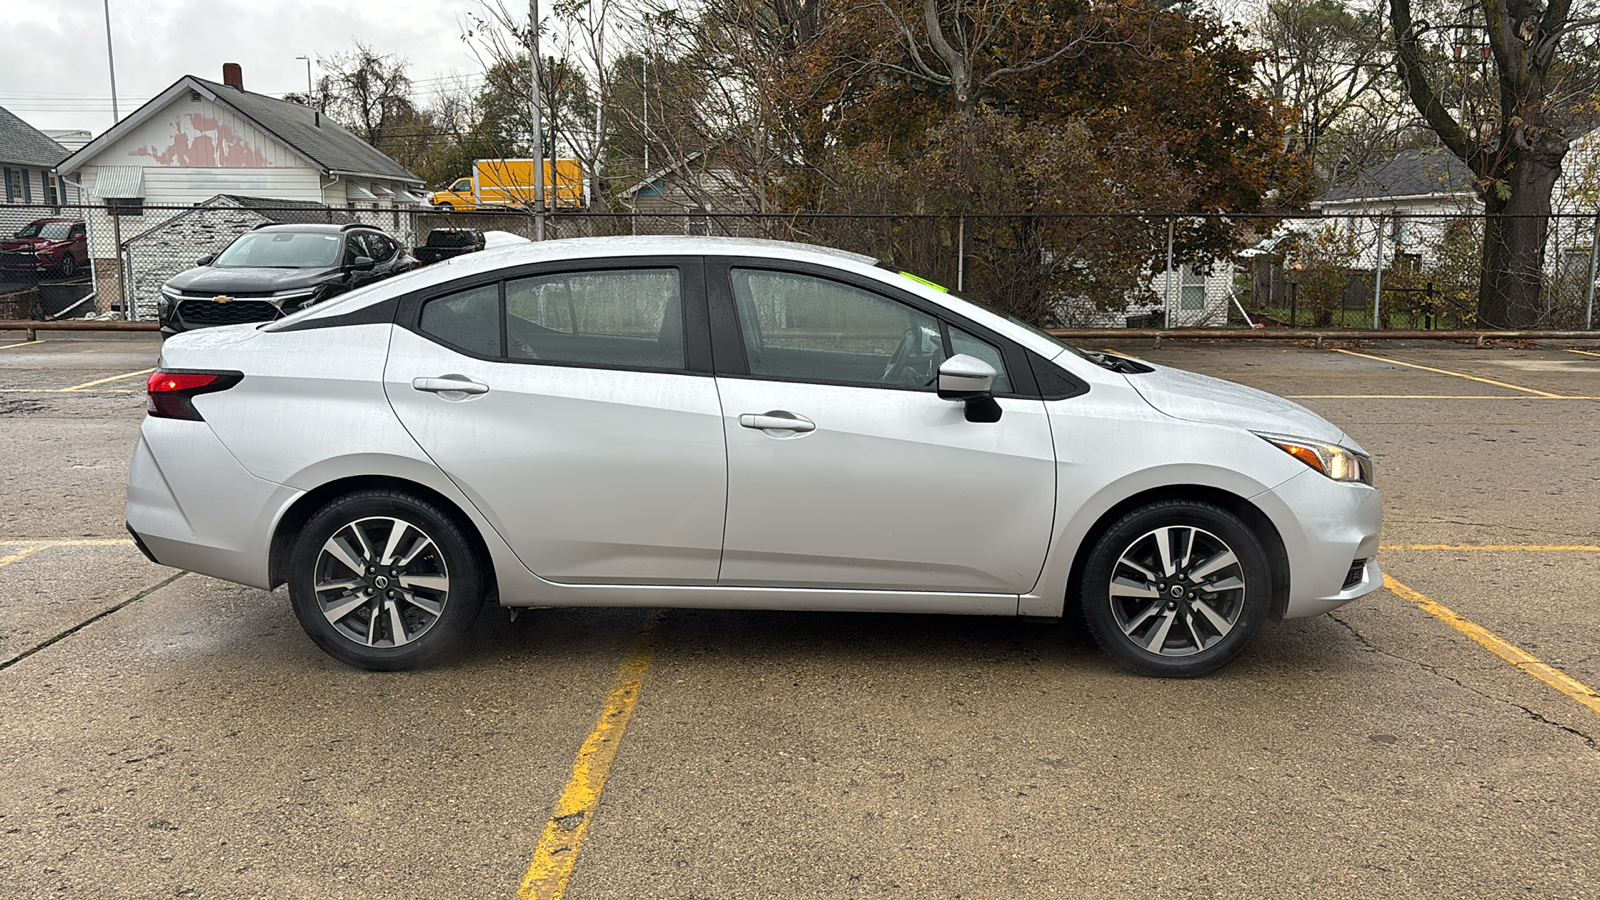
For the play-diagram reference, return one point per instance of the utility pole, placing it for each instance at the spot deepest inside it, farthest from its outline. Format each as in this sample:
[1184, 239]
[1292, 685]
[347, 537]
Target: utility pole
[644, 91]
[311, 98]
[112, 65]
[538, 122]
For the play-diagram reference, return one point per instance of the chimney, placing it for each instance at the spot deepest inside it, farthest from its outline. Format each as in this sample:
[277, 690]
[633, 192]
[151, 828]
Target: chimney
[233, 76]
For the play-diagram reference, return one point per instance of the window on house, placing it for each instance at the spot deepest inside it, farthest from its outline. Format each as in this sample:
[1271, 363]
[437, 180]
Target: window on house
[698, 222]
[13, 185]
[27, 187]
[52, 190]
[125, 206]
[1191, 288]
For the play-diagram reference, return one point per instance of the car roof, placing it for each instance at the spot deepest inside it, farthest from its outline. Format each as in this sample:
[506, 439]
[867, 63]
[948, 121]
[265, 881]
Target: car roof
[313, 228]
[55, 220]
[525, 252]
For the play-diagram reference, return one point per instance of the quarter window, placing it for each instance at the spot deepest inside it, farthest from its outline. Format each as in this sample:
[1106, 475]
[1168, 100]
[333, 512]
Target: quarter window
[469, 320]
[804, 327]
[631, 318]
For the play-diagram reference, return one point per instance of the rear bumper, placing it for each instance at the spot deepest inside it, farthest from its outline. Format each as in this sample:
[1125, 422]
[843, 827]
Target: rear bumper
[192, 506]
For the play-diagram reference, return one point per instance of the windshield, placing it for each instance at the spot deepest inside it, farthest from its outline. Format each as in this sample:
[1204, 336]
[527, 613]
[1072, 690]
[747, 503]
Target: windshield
[50, 231]
[462, 185]
[281, 250]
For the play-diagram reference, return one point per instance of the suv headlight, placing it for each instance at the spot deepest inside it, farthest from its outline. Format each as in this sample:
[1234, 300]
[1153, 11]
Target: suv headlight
[1332, 460]
[298, 297]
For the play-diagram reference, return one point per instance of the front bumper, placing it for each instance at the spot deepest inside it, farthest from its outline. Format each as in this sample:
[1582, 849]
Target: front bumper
[1326, 526]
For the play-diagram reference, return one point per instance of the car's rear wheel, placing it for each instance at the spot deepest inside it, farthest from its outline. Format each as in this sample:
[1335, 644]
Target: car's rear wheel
[1176, 589]
[384, 579]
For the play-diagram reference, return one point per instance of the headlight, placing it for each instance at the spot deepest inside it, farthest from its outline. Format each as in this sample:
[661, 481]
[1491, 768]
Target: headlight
[299, 296]
[1332, 460]
[171, 293]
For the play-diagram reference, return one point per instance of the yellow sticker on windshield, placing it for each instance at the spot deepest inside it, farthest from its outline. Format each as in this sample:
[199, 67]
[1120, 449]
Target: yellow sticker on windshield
[938, 287]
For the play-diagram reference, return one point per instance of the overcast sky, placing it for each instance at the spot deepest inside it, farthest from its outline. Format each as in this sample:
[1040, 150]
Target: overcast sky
[53, 71]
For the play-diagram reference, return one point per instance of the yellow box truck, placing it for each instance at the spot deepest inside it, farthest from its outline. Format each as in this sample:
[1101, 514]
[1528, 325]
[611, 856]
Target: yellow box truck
[509, 182]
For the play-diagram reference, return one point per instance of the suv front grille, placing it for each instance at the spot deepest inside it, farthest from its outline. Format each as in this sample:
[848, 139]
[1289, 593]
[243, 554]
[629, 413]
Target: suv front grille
[209, 312]
[1353, 577]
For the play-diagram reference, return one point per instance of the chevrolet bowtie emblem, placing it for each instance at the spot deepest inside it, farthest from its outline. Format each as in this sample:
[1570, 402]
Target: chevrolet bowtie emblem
[222, 298]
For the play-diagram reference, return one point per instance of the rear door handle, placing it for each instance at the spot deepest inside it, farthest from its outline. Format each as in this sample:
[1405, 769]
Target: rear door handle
[777, 421]
[449, 383]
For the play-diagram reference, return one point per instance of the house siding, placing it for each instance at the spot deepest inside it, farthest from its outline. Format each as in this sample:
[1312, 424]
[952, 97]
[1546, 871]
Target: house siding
[190, 134]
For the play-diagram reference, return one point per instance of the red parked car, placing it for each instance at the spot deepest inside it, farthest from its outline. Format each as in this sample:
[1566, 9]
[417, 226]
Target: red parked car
[57, 246]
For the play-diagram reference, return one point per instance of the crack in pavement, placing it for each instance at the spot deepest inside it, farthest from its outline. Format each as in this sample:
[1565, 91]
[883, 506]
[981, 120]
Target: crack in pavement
[1436, 671]
[1444, 520]
[87, 622]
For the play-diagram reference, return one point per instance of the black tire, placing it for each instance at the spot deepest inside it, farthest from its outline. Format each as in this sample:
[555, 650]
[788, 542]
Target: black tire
[1185, 620]
[425, 584]
[68, 266]
[447, 207]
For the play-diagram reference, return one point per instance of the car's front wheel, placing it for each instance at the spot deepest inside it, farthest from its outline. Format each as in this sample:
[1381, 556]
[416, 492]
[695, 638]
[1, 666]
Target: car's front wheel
[68, 266]
[383, 579]
[1176, 588]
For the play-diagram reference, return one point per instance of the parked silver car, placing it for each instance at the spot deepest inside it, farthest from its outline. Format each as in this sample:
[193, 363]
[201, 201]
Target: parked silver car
[737, 424]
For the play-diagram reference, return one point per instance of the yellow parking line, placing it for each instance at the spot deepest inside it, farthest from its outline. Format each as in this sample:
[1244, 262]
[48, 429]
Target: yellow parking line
[569, 821]
[23, 344]
[1512, 548]
[1426, 397]
[1584, 352]
[24, 553]
[76, 390]
[65, 542]
[31, 547]
[1448, 372]
[89, 384]
[1507, 651]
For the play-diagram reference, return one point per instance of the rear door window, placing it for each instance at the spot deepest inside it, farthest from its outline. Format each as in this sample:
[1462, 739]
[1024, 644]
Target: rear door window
[625, 318]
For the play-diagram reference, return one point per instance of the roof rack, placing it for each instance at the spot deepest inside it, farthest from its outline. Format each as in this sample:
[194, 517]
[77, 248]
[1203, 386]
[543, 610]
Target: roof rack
[351, 225]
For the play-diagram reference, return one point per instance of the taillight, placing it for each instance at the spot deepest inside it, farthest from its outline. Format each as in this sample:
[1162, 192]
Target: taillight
[171, 393]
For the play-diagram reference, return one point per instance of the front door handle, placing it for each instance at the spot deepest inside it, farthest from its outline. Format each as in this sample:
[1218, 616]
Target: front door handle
[777, 421]
[449, 383]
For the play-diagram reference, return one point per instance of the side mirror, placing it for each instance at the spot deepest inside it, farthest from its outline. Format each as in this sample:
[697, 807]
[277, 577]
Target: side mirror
[363, 264]
[205, 260]
[970, 380]
[963, 377]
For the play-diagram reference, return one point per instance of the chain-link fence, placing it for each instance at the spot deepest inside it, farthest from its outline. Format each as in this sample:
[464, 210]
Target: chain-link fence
[1383, 270]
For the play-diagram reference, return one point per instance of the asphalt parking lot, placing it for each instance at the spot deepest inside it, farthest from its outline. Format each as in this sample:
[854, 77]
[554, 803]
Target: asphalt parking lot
[168, 735]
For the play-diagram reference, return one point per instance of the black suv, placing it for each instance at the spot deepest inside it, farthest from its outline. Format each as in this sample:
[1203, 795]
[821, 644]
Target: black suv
[273, 270]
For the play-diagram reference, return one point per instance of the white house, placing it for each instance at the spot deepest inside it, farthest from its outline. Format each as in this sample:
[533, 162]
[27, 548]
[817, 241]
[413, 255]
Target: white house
[199, 139]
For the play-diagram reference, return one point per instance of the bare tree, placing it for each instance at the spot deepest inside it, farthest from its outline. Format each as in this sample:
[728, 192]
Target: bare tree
[368, 92]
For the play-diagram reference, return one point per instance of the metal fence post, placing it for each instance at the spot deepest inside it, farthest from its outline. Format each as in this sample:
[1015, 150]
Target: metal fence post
[1166, 315]
[961, 254]
[1594, 251]
[1377, 277]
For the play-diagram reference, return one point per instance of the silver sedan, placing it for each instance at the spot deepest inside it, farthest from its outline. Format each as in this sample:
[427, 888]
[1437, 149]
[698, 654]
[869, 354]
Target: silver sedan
[733, 424]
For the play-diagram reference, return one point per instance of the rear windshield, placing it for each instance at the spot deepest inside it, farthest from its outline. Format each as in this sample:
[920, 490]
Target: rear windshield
[281, 250]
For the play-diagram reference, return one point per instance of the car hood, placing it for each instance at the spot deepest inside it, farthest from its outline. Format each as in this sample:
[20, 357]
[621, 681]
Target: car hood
[1201, 398]
[30, 243]
[211, 279]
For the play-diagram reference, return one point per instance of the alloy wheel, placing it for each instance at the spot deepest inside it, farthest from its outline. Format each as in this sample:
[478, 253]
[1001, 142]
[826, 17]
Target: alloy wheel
[1177, 591]
[381, 582]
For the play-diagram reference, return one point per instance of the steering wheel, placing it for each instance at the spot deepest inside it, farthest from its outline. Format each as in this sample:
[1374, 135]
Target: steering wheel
[901, 359]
